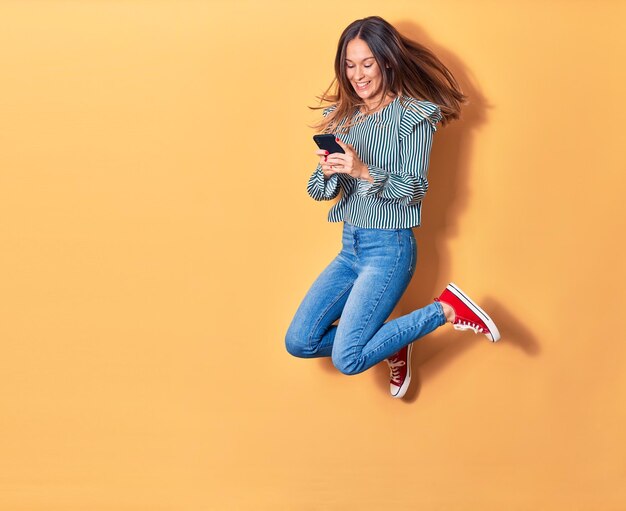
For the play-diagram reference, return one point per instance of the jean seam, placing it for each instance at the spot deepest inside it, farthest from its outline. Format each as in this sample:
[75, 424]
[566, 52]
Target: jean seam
[323, 314]
[364, 357]
[413, 249]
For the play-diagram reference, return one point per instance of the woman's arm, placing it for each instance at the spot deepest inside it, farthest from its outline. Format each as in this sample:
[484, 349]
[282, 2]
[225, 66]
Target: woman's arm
[321, 188]
[410, 184]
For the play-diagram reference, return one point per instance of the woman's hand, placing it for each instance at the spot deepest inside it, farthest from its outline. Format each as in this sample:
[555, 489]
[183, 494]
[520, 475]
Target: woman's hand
[347, 163]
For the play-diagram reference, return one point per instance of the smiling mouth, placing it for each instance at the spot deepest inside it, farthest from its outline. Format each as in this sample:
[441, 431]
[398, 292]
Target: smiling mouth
[362, 86]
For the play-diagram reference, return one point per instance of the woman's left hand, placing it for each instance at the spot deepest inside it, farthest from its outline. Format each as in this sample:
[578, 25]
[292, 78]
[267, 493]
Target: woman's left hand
[346, 163]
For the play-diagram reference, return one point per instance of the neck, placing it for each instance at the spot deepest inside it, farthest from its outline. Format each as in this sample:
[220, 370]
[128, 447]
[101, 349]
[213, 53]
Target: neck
[372, 105]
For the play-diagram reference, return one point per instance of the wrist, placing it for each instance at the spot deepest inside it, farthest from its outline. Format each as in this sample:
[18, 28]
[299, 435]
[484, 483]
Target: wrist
[365, 174]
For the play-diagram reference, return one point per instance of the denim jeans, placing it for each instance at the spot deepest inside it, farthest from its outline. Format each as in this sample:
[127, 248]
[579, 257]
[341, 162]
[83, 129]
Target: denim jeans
[361, 287]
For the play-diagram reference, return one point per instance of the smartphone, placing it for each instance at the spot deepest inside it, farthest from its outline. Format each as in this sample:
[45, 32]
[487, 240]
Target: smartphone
[328, 143]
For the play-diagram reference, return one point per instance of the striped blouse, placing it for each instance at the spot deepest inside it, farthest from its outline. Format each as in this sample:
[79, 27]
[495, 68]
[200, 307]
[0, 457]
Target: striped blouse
[395, 144]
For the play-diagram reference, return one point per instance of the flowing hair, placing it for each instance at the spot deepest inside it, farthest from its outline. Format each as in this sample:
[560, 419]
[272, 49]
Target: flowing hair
[407, 68]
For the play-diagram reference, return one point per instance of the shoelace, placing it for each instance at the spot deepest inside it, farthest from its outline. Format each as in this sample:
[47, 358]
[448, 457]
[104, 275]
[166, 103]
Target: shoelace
[394, 366]
[466, 325]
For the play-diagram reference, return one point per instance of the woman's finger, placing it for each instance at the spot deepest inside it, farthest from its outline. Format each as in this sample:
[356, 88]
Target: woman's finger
[334, 169]
[337, 158]
[345, 147]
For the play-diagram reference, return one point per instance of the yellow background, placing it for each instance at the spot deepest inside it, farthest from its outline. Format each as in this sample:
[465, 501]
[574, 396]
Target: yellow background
[156, 238]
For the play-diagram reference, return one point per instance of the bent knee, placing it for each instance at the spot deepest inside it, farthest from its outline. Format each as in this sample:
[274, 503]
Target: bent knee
[295, 345]
[347, 365]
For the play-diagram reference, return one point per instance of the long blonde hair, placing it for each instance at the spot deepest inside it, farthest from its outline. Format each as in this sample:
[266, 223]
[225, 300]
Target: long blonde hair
[407, 67]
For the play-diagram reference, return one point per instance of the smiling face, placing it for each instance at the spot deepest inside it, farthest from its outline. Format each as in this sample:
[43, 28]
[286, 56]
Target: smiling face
[363, 72]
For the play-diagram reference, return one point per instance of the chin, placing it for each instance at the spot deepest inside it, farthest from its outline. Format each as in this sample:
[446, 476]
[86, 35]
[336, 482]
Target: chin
[367, 95]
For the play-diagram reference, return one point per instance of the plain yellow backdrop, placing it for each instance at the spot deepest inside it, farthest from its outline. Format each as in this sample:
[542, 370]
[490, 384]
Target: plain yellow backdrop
[156, 238]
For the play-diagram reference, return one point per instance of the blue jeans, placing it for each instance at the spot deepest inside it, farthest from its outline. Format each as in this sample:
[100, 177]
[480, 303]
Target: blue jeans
[361, 287]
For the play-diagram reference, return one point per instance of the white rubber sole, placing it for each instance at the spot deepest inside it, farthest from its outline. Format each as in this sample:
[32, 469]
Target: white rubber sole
[494, 333]
[407, 381]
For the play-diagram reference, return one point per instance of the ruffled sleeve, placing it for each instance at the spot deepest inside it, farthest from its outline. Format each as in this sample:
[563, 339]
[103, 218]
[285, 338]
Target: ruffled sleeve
[409, 184]
[328, 110]
[416, 112]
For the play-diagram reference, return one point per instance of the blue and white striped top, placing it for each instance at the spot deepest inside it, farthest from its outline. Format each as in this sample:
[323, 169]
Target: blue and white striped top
[395, 144]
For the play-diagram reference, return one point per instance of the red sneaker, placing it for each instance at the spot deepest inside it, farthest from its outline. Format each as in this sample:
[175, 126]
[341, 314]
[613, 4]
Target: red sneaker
[400, 367]
[469, 316]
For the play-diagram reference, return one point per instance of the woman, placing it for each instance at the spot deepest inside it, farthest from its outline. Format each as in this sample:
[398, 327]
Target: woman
[391, 93]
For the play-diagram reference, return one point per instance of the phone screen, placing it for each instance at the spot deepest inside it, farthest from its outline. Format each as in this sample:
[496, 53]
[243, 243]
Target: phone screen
[328, 143]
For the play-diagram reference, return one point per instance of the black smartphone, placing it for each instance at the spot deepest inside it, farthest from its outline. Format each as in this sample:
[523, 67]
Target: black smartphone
[327, 142]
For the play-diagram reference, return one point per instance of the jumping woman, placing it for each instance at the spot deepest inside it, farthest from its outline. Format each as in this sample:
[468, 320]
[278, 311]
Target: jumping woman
[391, 92]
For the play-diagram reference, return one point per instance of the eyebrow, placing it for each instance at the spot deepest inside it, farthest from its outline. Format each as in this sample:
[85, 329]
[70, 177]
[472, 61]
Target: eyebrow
[366, 58]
